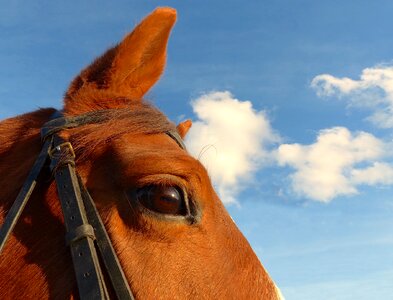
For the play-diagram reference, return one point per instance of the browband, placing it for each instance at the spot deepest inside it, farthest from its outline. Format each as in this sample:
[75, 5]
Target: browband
[58, 123]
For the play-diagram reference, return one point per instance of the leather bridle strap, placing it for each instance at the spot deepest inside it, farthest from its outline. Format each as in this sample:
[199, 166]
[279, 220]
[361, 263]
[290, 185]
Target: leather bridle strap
[84, 227]
[80, 234]
[24, 195]
[58, 122]
[112, 265]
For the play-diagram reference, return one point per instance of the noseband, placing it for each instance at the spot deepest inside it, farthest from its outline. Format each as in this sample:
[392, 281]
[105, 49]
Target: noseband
[91, 249]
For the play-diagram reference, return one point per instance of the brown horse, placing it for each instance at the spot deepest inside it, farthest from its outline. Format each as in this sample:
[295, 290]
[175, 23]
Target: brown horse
[164, 255]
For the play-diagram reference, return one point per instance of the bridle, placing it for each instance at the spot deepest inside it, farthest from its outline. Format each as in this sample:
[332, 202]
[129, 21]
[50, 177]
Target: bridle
[91, 249]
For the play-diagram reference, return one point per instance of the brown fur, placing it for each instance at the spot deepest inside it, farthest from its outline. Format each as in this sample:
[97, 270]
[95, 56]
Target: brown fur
[184, 127]
[162, 259]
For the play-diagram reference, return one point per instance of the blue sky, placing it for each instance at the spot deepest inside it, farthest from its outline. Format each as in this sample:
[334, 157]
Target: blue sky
[327, 241]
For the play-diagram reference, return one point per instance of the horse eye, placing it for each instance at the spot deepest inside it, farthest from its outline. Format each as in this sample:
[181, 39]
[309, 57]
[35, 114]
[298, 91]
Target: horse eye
[162, 199]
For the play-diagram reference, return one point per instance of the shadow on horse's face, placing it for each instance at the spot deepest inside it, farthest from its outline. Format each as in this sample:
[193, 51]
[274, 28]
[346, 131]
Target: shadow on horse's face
[172, 235]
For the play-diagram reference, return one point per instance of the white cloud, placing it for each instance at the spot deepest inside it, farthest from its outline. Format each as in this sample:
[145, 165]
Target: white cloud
[374, 90]
[336, 164]
[231, 139]
[377, 173]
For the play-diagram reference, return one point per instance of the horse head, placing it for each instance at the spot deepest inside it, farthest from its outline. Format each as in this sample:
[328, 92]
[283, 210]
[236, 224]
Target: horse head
[173, 237]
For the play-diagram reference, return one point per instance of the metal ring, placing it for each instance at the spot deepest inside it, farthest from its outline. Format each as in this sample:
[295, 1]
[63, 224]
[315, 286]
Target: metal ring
[59, 147]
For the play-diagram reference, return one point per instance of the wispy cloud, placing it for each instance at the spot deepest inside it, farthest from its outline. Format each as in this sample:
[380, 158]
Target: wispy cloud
[374, 90]
[231, 139]
[336, 164]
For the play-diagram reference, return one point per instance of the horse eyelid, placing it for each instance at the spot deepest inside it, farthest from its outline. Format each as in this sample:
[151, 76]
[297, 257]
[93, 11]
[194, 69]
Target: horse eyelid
[131, 195]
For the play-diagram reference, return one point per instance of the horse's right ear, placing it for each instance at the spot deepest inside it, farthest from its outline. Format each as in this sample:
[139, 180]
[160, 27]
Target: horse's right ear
[128, 70]
[183, 127]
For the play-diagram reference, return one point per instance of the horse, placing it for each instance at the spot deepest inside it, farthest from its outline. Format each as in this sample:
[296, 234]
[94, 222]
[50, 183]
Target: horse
[171, 233]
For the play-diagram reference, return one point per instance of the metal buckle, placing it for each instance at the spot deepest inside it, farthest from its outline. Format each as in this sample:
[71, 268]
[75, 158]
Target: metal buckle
[58, 149]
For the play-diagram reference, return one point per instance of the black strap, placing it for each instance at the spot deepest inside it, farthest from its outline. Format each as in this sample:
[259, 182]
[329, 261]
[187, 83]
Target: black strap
[108, 255]
[59, 123]
[24, 195]
[86, 264]
[174, 135]
[55, 125]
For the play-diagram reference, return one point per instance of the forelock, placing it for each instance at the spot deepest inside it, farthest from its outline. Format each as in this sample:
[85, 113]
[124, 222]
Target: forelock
[137, 118]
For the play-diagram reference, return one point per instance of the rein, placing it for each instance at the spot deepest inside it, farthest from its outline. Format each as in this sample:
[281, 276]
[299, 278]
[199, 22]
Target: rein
[90, 245]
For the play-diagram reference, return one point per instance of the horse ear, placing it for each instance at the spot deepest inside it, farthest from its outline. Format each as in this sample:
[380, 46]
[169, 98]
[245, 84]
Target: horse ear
[128, 70]
[183, 128]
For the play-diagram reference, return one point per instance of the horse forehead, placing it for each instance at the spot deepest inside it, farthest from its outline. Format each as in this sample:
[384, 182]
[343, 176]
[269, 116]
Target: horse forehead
[156, 153]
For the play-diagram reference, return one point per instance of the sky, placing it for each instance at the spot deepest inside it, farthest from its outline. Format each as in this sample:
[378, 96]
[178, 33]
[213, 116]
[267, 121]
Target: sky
[292, 110]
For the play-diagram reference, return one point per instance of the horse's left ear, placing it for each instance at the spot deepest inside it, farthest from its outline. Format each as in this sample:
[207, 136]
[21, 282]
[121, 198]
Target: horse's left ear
[183, 128]
[128, 70]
